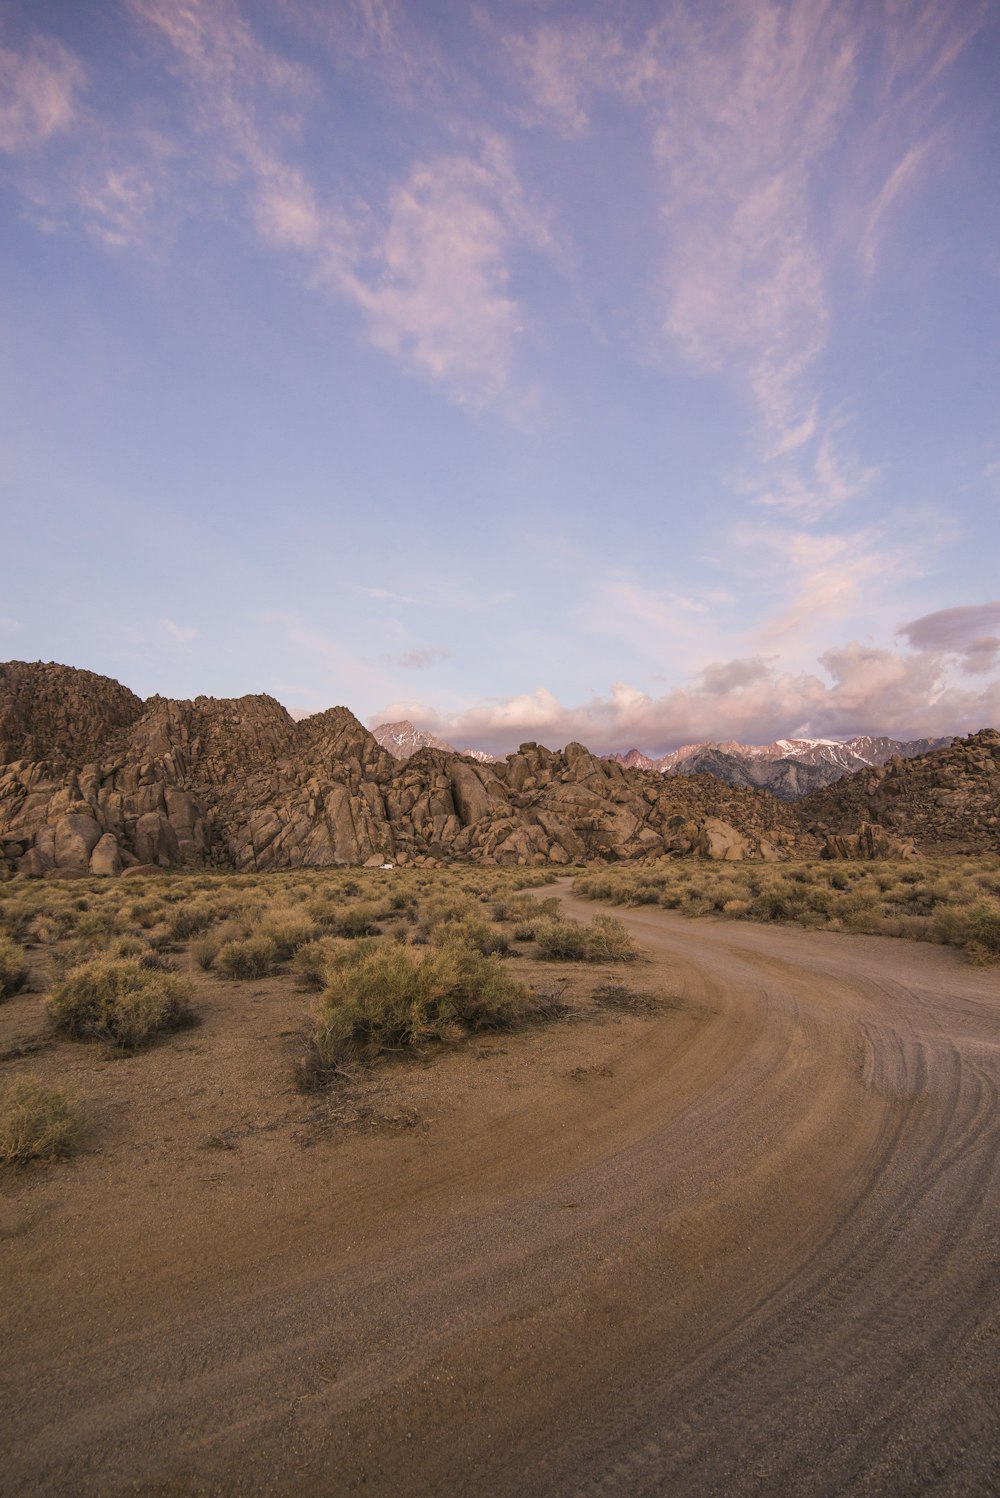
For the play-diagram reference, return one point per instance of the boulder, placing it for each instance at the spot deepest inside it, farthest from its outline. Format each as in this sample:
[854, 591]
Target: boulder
[717, 839]
[155, 841]
[106, 857]
[76, 837]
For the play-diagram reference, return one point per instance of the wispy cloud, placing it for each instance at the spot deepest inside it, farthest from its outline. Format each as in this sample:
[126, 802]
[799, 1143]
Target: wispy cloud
[385, 595]
[181, 634]
[428, 266]
[423, 657]
[38, 89]
[439, 298]
[903, 174]
[824, 578]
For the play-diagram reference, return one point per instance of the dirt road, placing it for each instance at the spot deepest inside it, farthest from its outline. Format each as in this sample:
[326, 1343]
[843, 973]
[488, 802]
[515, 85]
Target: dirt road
[746, 1246]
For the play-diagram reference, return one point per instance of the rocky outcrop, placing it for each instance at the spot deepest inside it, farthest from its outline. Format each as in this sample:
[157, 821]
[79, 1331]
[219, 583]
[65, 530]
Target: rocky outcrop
[870, 841]
[238, 784]
[55, 712]
[945, 801]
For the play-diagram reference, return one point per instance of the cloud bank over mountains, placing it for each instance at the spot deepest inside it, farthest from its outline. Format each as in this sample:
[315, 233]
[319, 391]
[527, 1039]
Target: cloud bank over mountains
[904, 694]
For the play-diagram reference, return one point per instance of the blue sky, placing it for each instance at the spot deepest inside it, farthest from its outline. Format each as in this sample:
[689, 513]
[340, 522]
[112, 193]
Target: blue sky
[626, 373]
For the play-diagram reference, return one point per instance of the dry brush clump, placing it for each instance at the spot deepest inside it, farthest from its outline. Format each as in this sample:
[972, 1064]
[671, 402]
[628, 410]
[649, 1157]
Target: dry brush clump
[36, 1122]
[120, 1000]
[13, 968]
[384, 997]
[602, 940]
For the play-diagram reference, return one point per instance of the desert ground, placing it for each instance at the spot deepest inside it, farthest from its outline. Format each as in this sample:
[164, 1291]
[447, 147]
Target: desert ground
[735, 1233]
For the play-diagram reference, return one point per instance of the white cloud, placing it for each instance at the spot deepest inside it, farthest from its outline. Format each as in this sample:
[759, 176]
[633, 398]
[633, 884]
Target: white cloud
[37, 93]
[181, 634]
[559, 64]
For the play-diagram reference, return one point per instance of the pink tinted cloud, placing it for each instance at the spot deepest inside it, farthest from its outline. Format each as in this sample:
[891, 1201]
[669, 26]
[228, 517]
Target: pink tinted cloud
[859, 689]
[37, 93]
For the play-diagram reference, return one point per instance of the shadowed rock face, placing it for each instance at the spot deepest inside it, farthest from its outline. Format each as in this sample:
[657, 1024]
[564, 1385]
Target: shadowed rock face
[111, 782]
[947, 800]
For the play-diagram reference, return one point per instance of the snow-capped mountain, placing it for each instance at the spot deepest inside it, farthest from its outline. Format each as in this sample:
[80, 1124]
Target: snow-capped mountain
[788, 768]
[402, 739]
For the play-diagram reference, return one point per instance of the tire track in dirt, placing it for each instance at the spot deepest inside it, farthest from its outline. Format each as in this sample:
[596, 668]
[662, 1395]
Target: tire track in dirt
[760, 1259]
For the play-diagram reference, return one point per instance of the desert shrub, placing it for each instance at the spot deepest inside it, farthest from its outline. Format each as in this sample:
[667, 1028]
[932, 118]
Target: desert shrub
[84, 949]
[355, 921]
[472, 931]
[603, 940]
[313, 963]
[446, 905]
[535, 880]
[253, 957]
[97, 925]
[523, 908]
[561, 941]
[608, 941]
[190, 919]
[288, 928]
[984, 928]
[13, 969]
[35, 1123]
[384, 998]
[204, 950]
[119, 1000]
[975, 928]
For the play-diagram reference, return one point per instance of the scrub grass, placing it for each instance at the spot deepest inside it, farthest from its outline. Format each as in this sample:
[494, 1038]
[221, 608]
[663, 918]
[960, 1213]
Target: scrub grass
[953, 901]
[36, 1123]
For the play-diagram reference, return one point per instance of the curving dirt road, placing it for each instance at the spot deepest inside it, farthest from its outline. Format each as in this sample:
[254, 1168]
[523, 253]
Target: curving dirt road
[748, 1246]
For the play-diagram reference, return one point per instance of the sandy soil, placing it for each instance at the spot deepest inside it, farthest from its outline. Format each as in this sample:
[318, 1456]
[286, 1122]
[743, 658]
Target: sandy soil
[745, 1244]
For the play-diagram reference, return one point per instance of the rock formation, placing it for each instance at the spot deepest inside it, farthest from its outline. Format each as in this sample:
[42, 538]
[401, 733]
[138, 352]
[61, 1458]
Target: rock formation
[94, 780]
[944, 801]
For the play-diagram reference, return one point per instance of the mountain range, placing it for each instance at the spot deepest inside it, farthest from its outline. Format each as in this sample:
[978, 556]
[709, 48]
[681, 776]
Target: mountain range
[788, 768]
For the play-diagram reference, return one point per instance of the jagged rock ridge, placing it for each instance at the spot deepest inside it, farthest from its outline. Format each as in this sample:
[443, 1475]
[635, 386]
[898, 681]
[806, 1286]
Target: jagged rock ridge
[947, 800]
[93, 779]
[238, 783]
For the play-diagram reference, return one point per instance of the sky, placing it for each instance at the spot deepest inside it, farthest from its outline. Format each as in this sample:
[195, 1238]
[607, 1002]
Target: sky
[620, 372]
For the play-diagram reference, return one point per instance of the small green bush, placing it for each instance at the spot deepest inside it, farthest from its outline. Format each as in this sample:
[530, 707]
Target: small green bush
[561, 941]
[388, 998]
[288, 927]
[254, 957]
[190, 919]
[120, 1000]
[608, 941]
[35, 1123]
[13, 969]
